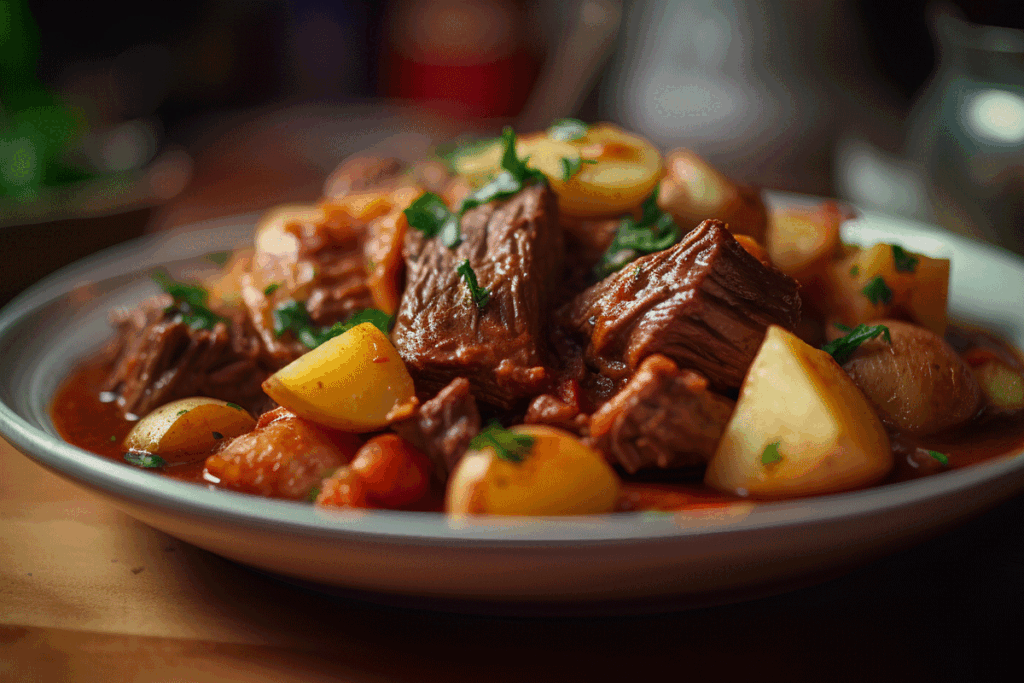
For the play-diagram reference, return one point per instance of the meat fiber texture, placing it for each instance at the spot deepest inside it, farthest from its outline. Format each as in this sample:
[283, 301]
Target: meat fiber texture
[663, 417]
[443, 426]
[515, 249]
[705, 303]
[157, 358]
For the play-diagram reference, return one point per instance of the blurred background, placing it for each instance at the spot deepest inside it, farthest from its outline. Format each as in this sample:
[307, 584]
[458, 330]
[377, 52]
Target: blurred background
[116, 121]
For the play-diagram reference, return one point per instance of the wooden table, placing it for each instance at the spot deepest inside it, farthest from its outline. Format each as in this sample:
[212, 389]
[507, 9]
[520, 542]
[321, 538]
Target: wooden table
[89, 594]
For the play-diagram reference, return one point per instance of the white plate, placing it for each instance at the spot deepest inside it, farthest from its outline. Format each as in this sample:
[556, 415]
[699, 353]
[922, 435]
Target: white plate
[624, 561]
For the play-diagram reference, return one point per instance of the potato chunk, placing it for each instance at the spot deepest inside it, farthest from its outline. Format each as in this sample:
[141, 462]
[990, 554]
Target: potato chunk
[801, 427]
[559, 476]
[186, 429]
[352, 382]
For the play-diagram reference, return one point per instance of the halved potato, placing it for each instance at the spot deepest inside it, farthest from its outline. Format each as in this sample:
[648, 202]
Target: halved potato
[559, 476]
[614, 170]
[800, 427]
[183, 430]
[352, 382]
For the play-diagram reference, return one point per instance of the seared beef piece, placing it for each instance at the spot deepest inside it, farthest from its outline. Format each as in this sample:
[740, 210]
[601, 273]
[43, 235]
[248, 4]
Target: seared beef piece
[158, 358]
[663, 417]
[705, 303]
[340, 287]
[443, 426]
[515, 249]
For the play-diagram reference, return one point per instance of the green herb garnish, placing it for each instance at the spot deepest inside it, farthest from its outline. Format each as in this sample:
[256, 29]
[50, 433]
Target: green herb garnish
[452, 153]
[771, 454]
[189, 302]
[841, 349]
[292, 316]
[218, 436]
[905, 263]
[480, 295]
[180, 413]
[113, 438]
[567, 129]
[313, 494]
[218, 257]
[514, 177]
[271, 288]
[431, 216]
[877, 291]
[654, 231]
[507, 444]
[571, 167]
[145, 460]
[854, 270]
[235, 406]
[940, 457]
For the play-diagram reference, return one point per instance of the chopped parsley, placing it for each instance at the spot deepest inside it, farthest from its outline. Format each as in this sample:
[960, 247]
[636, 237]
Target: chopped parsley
[189, 302]
[942, 458]
[571, 167]
[292, 316]
[452, 153]
[567, 130]
[654, 231]
[904, 261]
[271, 288]
[479, 295]
[181, 412]
[877, 291]
[113, 438]
[841, 349]
[854, 270]
[145, 460]
[515, 175]
[507, 445]
[235, 406]
[771, 454]
[218, 257]
[431, 216]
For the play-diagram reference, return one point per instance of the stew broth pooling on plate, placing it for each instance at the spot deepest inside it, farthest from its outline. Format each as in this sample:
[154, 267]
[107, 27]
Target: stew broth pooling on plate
[565, 323]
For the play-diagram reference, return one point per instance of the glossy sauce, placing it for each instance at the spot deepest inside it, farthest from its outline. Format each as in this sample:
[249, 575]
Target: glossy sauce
[84, 420]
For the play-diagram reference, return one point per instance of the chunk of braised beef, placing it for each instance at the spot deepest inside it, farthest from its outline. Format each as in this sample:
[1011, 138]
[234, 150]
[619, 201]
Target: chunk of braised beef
[515, 249]
[443, 426]
[662, 417]
[156, 358]
[283, 457]
[705, 303]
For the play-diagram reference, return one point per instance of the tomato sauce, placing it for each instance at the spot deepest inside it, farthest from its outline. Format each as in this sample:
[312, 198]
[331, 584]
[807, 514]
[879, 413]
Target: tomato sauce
[84, 419]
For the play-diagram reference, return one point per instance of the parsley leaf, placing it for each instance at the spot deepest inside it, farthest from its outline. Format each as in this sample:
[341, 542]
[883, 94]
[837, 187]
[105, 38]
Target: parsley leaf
[854, 270]
[507, 444]
[571, 167]
[567, 129]
[292, 316]
[271, 288]
[514, 176]
[905, 263]
[235, 406]
[877, 291]
[431, 216]
[940, 457]
[145, 460]
[841, 349]
[189, 302]
[218, 257]
[771, 454]
[655, 231]
[452, 153]
[480, 295]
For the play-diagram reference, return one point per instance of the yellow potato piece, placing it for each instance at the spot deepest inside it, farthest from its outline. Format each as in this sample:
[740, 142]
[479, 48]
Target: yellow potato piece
[800, 427]
[180, 430]
[560, 476]
[351, 382]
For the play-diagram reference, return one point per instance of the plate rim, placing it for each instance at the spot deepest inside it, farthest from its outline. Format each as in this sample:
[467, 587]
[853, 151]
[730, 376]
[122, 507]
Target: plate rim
[431, 529]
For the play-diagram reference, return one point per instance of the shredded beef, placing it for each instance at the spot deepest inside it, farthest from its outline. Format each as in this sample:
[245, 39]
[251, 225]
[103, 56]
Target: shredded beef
[158, 358]
[443, 426]
[515, 249]
[705, 303]
[663, 417]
